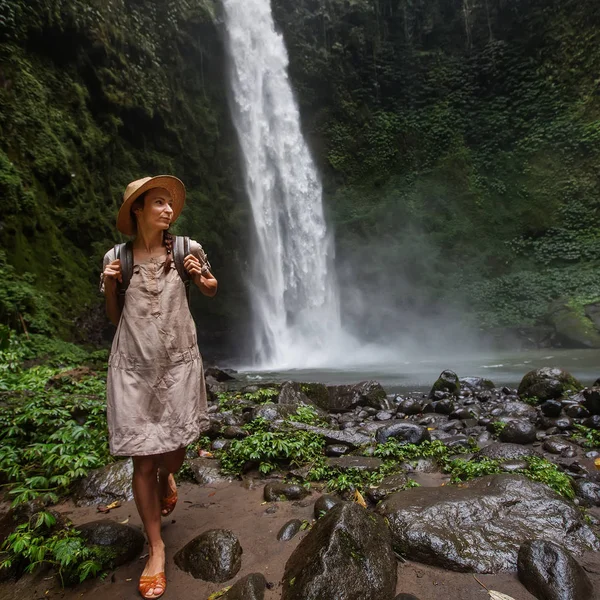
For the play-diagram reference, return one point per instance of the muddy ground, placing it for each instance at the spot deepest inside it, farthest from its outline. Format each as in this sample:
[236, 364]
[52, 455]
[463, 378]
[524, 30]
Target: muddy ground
[239, 506]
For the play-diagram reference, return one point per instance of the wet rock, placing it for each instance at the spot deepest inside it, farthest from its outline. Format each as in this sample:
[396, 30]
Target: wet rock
[407, 433]
[383, 415]
[105, 485]
[272, 412]
[500, 451]
[547, 383]
[443, 407]
[215, 555]
[324, 504]
[251, 587]
[558, 445]
[587, 491]
[214, 387]
[362, 463]
[518, 432]
[234, 432]
[206, 470]
[336, 450]
[289, 530]
[592, 422]
[120, 543]
[551, 408]
[390, 485]
[511, 466]
[276, 492]
[218, 374]
[550, 572]
[591, 400]
[421, 465]
[409, 406]
[220, 444]
[347, 554]
[350, 437]
[576, 411]
[476, 384]
[517, 409]
[315, 394]
[481, 525]
[446, 382]
[343, 398]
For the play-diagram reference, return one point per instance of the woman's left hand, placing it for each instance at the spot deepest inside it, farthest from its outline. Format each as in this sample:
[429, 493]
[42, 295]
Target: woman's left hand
[193, 266]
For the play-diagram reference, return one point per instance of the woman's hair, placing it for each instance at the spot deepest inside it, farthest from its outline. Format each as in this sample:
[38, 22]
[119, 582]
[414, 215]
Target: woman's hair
[167, 235]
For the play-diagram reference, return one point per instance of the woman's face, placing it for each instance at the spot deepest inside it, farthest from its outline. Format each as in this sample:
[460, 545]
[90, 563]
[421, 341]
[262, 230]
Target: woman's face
[157, 212]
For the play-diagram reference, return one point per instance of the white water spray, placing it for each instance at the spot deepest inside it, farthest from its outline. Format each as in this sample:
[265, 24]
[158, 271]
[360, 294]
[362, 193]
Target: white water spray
[293, 287]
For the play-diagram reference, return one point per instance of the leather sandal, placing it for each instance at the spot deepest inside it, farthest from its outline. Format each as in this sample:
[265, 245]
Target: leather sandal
[148, 582]
[168, 504]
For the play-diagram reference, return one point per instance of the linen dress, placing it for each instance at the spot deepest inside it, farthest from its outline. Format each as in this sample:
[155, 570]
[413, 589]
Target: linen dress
[156, 396]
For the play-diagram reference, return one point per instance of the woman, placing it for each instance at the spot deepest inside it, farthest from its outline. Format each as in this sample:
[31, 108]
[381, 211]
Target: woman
[156, 399]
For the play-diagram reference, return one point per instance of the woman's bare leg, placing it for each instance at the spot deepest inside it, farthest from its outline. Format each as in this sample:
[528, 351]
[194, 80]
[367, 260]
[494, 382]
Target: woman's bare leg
[147, 500]
[170, 463]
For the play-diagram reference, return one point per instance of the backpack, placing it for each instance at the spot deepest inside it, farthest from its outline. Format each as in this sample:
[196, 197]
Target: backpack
[124, 253]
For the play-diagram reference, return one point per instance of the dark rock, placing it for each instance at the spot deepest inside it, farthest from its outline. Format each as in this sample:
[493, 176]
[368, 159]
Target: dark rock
[518, 409]
[592, 422]
[564, 423]
[390, 485]
[272, 412]
[343, 398]
[407, 433]
[446, 382]
[350, 437]
[120, 543]
[574, 329]
[315, 394]
[587, 491]
[551, 408]
[361, 463]
[234, 432]
[218, 374]
[206, 470]
[443, 407]
[557, 445]
[214, 387]
[511, 466]
[383, 416]
[481, 525]
[324, 504]
[215, 555]
[547, 383]
[251, 587]
[476, 384]
[106, 485]
[518, 432]
[336, 450]
[550, 572]
[591, 400]
[346, 555]
[220, 444]
[276, 492]
[409, 406]
[289, 530]
[499, 451]
[576, 411]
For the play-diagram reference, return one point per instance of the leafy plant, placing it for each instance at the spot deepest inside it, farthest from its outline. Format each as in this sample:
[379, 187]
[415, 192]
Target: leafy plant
[306, 414]
[591, 437]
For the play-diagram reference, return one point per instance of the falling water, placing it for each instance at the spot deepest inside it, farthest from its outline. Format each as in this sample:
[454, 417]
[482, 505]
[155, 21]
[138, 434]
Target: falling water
[292, 283]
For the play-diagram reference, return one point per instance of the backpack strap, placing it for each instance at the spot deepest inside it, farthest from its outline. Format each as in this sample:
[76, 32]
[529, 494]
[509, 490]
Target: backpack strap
[124, 253]
[181, 248]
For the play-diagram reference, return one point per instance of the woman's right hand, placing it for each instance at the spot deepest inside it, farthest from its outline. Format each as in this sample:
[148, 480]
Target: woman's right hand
[112, 274]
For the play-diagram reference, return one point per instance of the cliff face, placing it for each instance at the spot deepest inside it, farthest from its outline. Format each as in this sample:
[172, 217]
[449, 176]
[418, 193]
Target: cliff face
[93, 95]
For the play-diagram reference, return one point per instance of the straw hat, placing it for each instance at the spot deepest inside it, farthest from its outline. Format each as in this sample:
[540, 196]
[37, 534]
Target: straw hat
[125, 222]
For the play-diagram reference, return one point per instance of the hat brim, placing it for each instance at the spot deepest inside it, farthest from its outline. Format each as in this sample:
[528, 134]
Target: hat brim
[126, 223]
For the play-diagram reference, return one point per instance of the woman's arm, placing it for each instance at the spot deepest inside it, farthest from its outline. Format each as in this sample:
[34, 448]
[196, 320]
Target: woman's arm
[201, 276]
[112, 274]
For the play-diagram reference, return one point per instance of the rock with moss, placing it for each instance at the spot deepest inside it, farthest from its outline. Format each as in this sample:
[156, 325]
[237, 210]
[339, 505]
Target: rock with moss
[118, 543]
[346, 555]
[573, 325]
[343, 398]
[447, 382]
[547, 383]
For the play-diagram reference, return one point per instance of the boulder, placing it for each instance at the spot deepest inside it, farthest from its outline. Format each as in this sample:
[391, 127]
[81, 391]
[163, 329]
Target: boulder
[591, 400]
[550, 572]
[346, 555]
[206, 470]
[336, 450]
[588, 492]
[218, 374]
[481, 525]
[278, 491]
[390, 485]
[500, 451]
[215, 555]
[518, 432]
[343, 398]
[314, 394]
[547, 383]
[551, 408]
[251, 587]
[406, 433]
[447, 382]
[410, 406]
[574, 328]
[324, 504]
[120, 543]
[476, 384]
[106, 485]
[559, 445]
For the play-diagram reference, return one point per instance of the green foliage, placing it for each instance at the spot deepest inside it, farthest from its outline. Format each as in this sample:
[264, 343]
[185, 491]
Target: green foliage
[38, 542]
[306, 414]
[499, 427]
[591, 437]
[406, 452]
[262, 395]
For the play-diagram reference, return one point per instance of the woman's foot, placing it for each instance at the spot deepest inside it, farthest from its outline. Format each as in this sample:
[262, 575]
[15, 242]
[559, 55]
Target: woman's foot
[153, 582]
[168, 498]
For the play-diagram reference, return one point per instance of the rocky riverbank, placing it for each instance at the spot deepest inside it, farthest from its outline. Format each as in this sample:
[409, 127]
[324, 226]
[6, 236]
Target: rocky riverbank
[303, 491]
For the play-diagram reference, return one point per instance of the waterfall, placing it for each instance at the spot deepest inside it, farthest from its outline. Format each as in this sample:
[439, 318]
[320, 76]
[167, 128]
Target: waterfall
[294, 293]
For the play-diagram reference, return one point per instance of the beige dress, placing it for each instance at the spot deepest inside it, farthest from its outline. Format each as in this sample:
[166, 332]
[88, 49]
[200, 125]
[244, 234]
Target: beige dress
[156, 397]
